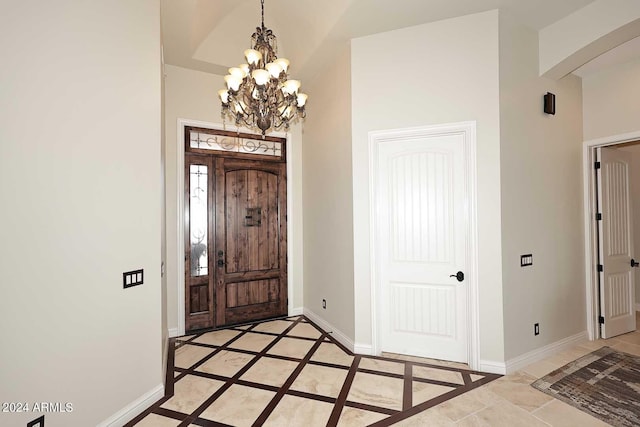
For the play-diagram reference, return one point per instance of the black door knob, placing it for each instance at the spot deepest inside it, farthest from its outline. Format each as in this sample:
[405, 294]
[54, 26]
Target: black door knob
[220, 262]
[459, 275]
[634, 263]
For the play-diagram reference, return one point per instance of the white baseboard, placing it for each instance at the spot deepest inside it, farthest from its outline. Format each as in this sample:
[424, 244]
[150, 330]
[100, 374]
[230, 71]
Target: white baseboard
[492, 367]
[538, 354]
[364, 349]
[173, 332]
[134, 409]
[339, 336]
[165, 361]
[296, 311]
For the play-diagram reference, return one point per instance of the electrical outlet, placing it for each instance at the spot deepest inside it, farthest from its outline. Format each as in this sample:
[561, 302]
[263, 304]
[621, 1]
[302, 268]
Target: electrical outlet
[324, 304]
[536, 329]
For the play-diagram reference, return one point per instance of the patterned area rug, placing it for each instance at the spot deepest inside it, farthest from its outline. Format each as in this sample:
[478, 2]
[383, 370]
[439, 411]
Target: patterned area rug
[605, 384]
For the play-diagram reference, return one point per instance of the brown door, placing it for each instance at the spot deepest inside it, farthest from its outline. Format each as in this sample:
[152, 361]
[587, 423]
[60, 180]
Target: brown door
[251, 242]
[236, 240]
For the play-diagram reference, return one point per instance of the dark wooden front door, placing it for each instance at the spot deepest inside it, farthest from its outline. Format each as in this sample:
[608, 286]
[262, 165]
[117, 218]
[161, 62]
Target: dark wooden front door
[236, 240]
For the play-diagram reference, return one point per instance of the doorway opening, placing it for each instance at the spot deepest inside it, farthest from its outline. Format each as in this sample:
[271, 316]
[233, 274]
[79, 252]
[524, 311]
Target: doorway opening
[424, 242]
[611, 165]
[235, 228]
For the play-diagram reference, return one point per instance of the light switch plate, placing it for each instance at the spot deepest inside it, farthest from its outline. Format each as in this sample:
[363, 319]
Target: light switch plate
[526, 260]
[132, 278]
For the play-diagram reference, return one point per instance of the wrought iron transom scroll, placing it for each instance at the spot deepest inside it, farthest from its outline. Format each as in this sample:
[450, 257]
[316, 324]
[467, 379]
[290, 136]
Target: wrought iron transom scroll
[235, 144]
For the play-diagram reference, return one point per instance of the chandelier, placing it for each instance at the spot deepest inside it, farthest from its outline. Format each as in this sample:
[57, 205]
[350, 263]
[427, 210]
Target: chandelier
[259, 93]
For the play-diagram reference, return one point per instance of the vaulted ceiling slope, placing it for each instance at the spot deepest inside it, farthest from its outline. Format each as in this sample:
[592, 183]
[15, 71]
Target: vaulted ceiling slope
[210, 35]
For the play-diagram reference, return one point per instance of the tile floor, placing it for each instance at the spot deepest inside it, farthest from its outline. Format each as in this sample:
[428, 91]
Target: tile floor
[290, 373]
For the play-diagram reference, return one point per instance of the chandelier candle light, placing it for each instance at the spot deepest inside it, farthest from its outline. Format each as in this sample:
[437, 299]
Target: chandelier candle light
[259, 93]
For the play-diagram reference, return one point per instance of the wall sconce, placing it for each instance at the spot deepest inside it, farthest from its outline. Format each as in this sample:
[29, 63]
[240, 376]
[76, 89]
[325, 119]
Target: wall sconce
[550, 103]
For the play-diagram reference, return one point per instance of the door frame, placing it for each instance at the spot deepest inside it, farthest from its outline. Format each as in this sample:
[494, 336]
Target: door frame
[468, 130]
[590, 226]
[180, 155]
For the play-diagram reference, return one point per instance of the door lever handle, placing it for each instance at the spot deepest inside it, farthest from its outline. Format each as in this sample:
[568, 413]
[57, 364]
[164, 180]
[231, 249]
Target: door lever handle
[634, 263]
[459, 276]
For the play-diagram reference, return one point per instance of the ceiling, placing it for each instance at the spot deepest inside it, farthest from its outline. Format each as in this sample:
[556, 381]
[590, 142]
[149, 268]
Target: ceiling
[626, 52]
[210, 35]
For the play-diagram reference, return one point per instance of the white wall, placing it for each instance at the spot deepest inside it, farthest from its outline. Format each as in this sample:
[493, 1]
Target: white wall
[163, 224]
[80, 105]
[192, 95]
[441, 72]
[541, 172]
[328, 197]
[610, 101]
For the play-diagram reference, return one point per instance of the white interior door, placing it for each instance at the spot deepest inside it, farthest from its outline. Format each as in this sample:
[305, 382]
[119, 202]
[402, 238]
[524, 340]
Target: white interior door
[420, 242]
[617, 284]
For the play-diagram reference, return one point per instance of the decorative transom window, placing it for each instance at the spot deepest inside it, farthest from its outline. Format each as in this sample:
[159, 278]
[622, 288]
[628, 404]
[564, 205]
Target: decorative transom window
[230, 143]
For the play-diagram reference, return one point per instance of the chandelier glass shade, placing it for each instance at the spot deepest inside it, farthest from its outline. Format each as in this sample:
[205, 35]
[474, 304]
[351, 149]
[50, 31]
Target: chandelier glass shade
[259, 93]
